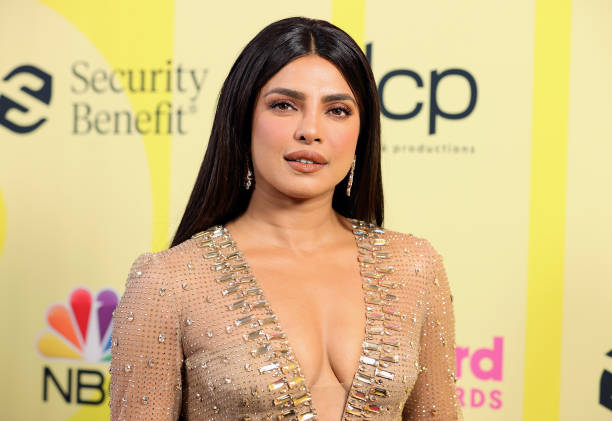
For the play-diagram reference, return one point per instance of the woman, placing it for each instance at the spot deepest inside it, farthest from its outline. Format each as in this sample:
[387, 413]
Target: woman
[281, 297]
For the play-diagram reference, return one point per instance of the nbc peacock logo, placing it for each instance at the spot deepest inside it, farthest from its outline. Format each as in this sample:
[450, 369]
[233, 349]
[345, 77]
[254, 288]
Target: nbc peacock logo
[78, 331]
[81, 329]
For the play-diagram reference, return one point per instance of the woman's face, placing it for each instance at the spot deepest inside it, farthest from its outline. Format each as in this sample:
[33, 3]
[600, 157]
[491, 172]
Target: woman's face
[305, 130]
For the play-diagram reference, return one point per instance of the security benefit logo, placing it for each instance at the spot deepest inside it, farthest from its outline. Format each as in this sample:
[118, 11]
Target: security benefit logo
[605, 387]
[29, 87]
[161, 99]
[78, 332]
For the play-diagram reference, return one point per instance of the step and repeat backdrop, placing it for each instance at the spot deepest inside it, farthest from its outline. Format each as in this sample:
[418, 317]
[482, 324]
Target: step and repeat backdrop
[496, 147]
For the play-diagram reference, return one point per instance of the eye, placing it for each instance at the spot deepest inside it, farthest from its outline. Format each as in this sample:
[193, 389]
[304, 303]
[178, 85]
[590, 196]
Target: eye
[281, 105]
[340, 111]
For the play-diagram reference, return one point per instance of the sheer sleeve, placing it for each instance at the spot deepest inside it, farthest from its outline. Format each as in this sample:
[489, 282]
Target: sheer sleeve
[434, 394]
[146, 354]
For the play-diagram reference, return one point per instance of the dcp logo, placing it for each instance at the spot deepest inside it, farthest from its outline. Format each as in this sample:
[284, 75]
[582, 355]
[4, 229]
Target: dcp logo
[435, 110]
[42, 94]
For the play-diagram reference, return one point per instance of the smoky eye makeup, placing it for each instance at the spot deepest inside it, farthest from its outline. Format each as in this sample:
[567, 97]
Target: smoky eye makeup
[281, 105]
[337, 110]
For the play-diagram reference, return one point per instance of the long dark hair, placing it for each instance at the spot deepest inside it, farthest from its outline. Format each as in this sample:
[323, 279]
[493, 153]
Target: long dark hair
[219, 195]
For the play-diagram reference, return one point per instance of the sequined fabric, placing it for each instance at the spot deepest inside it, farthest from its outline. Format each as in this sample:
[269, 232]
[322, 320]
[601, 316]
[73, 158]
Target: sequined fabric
[195, 337]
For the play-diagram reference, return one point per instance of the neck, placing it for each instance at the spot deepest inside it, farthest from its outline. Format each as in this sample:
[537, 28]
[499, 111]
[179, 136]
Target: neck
[299, 225]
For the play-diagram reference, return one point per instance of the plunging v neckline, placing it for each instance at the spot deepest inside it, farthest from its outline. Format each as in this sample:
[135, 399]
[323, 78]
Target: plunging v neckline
[369, 381]
[379, 347]
[282, 331]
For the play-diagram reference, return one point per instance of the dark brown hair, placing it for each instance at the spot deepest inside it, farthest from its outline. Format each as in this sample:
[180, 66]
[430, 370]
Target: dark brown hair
[219, 195]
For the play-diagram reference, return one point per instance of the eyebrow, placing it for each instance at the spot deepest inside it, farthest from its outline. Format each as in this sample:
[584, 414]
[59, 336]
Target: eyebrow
[299, 95]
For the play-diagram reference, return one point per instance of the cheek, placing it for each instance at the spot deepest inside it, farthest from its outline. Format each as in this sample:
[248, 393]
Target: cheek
[268, 142]
[346, 138]
[270, 131]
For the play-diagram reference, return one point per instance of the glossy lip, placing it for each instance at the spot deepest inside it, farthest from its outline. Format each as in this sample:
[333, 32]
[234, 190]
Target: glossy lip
[313, 156]
[318, 160]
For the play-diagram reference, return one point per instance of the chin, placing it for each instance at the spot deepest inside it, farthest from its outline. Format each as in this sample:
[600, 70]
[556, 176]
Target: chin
[305, 192]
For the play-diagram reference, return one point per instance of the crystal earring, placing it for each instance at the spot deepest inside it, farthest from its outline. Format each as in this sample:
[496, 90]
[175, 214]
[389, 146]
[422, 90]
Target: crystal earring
[249, 177]
[350, 180]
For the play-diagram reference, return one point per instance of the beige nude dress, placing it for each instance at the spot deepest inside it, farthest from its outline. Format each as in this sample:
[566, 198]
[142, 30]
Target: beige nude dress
[195, 338]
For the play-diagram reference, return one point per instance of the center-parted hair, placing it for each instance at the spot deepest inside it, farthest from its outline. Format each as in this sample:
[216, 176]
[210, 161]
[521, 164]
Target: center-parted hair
[219, 195]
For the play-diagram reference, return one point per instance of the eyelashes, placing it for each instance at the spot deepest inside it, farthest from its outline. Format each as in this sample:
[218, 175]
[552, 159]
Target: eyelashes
[346, 111]
[337, 111]
[281, 105]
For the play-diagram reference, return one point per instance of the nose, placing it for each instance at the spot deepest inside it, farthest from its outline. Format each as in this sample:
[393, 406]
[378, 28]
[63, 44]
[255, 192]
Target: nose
[308, 127]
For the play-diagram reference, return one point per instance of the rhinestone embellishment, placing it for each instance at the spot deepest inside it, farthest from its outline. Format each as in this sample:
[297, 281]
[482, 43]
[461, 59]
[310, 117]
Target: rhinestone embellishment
[270, 354]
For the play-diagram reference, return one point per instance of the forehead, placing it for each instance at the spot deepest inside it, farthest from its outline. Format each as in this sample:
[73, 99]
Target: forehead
[309, 73]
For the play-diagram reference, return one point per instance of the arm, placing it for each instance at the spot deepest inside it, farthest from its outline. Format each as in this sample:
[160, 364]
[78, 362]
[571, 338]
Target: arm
[146, 367]
[434, 394]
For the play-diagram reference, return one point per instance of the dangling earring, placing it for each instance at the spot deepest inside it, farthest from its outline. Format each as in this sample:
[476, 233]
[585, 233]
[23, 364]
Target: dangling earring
[350, 180]
[249, 176]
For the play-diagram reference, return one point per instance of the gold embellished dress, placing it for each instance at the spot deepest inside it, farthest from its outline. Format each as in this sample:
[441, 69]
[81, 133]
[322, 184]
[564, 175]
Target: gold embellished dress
[194, 337]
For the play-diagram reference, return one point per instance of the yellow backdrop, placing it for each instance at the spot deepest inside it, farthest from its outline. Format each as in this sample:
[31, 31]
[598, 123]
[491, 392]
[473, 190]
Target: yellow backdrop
[496, 143]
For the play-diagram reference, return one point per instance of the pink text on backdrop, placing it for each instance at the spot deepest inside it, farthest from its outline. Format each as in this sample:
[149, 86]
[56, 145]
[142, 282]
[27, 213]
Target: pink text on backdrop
[471, 361]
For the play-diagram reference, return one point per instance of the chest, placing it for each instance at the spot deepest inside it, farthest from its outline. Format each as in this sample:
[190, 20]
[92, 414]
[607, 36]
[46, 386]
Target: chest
[265, 330]
[320, 307]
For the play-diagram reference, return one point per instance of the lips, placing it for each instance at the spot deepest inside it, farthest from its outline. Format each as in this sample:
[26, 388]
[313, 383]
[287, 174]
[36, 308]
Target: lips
[306, 155]
[305, 161]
